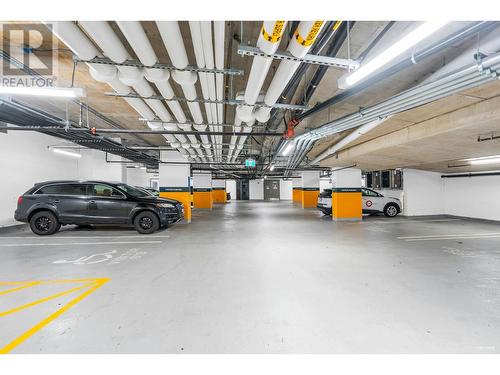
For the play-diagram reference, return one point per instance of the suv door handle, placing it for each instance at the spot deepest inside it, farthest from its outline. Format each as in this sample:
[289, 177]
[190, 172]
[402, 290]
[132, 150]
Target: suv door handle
[56, 201]
[92, 202]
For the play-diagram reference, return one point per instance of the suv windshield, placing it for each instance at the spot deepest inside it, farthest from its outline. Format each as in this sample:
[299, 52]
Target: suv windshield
[133, 191]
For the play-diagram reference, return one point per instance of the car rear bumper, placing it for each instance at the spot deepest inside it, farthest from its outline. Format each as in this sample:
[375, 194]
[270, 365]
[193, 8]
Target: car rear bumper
[20, 216]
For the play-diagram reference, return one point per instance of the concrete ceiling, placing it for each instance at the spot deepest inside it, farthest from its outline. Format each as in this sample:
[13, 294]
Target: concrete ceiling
[439, 148]
[434, 137]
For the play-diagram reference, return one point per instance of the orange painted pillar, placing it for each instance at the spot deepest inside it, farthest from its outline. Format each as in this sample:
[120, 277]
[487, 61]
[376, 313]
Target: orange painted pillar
[310, 189]
[309, 197]
[346, 204]
[219, 191]
[297, 189]
[202, 191]
[175, 181]
[346, 195]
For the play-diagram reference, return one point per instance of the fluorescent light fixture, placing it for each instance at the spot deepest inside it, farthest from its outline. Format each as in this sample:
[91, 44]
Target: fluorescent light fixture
[67, 153]
[494, 159]
[398, 48]
[59, 92]
[272, 167]
[289, 147]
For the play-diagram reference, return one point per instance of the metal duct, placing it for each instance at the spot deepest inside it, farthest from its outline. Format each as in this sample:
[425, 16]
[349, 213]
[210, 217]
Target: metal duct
[463, 79]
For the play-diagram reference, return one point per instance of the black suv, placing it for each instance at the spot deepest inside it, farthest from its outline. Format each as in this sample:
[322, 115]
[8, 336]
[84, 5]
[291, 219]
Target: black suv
[49, 205]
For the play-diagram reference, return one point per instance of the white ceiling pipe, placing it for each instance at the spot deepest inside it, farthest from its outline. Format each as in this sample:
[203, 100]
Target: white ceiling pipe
[249, 124]
[142, 87]
[192, 137]
[237, 122]
[154, 125]
[167, 92]
[241, 141]
[208, 53]
[105, 37]
[458, 81]
[76, 40]
[268, 42]
[304, 38]
[141, 45]
[173, 127]
[488, 44]
[196, 38]
[138, 40]
[348, 139]
[195, 28]
[219, 31]
[173, 42]
[102, 33]
[141, 108]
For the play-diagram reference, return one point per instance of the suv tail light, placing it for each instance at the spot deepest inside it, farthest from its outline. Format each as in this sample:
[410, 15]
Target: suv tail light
[19, 200]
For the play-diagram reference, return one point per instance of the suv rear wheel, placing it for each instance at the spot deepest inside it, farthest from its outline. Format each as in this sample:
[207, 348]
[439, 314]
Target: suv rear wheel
[44, 223]
[146, 222]
[391, 210]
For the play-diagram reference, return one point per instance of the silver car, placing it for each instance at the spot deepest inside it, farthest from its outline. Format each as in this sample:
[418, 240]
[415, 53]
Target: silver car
[372, 202]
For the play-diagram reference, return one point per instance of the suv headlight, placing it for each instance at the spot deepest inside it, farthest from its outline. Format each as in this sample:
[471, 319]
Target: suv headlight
[165, 205]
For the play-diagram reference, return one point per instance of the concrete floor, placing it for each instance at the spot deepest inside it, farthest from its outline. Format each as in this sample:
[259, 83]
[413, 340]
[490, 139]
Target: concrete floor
[259, 277]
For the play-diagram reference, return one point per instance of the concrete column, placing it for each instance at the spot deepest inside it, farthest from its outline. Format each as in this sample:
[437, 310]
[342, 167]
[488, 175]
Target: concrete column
[219, 191]
[175, 180]
[309, 188]
[346, 195]
[202, 190]
[297, 189]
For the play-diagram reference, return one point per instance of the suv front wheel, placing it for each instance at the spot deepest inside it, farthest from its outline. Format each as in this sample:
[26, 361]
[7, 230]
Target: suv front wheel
[44, 223]
[146, 222]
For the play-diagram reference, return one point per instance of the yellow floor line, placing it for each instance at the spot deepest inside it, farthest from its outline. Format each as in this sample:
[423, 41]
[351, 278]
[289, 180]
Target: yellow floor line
[23, 337]
[42, 300]
[26, 285]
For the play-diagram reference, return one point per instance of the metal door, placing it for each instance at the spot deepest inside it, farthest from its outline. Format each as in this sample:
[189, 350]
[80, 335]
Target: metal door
[242, 190]
[271, 190]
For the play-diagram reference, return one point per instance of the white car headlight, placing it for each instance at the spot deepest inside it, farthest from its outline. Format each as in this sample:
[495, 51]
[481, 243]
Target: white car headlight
[165, 205]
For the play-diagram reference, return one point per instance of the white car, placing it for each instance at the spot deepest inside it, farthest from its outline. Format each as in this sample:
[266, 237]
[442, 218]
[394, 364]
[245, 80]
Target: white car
[373, 202]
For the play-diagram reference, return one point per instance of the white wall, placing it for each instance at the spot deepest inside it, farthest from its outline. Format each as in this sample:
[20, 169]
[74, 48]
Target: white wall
[26, 160]
[202, 180]
[423, 193]
[346, 178]
[139, 177]
[257, 189]
[325, 183]
[286, 187]
[93, 166]
[310, 179]
[231, 188]
[476, 197]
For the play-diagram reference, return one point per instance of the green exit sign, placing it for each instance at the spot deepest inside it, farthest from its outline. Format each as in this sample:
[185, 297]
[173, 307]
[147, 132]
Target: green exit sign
[250, 163]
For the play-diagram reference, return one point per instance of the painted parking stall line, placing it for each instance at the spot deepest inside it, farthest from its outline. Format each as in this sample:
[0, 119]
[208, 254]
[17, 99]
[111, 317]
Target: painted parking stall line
[79, 237]
[79, 243]
[437, 237]
[382, 222]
